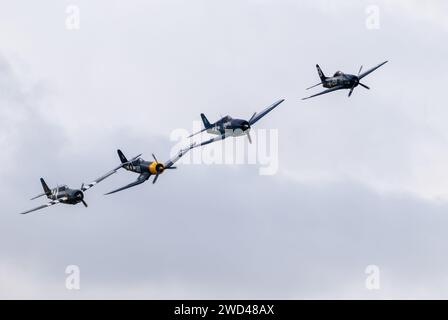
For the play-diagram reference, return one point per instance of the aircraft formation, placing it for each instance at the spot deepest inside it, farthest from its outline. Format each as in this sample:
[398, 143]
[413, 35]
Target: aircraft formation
[222, 129]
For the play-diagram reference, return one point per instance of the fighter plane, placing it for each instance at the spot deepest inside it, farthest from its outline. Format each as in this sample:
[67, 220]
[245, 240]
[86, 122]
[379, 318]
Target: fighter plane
[341, 80]
[66, 195]
[229, 127]
[147, 168]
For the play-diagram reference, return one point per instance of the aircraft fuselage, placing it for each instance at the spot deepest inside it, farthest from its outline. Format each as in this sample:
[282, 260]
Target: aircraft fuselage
[346, 81]
[69, 196]
[142, 166]
[229, 127]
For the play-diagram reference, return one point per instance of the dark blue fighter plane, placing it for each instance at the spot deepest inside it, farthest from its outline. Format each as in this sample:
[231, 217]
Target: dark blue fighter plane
[341, 80]
[230, 127]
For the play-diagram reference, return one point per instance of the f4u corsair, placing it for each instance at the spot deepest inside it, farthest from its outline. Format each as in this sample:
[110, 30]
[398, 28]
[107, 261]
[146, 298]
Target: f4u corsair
[146, 168]
[229, 127]
[341, 80]
[63, 194]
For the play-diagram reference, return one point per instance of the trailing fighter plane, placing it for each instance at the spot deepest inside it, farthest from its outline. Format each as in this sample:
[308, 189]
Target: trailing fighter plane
[147, 168]
[63, 194]
[229, 127]
[341, 80]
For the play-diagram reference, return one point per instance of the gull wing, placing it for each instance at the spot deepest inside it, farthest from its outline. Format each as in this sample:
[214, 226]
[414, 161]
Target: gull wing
[362, 75]
[179, 155]
[141, 178]
[324, 92]
[258, 116]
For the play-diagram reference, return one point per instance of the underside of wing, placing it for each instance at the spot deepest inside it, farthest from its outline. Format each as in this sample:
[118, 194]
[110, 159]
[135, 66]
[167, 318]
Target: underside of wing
[215, 139]
[179, 155]
[141, 178]
[95, 182]
[260, 115]
[362, 75]
[314, 86]
[324, 92]
[49, 204]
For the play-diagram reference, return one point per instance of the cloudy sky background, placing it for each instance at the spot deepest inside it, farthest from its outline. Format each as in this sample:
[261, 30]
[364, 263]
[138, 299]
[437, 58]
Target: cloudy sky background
[362, 181]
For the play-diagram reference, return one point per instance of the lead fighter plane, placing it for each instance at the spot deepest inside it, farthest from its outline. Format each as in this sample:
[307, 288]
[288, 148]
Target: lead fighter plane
[229, 127]
[341, 80]
[64, 194]
[147, 168]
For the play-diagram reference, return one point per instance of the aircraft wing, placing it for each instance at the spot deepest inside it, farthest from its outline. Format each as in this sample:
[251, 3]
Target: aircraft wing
[324, 92]
[362, 75]
[141, 178]
[258, 116]
[314, 86]
[179, 155]
[95, 182]
[218, 138]
[49, 204]
[191, 135]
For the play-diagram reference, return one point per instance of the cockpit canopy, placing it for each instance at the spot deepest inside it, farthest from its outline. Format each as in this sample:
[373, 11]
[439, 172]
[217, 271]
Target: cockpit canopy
[227, 118]
[62, 188]
[338, 73]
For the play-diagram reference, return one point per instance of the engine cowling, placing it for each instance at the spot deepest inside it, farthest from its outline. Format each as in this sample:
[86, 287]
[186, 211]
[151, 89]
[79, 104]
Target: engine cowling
[156, 168]
[78, 195]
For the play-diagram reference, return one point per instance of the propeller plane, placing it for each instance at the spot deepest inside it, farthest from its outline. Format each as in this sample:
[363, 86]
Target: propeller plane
[341, 80]
[229, 127]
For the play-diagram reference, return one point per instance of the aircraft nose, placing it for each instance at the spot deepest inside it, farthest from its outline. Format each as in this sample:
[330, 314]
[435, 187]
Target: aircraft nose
[160, 167]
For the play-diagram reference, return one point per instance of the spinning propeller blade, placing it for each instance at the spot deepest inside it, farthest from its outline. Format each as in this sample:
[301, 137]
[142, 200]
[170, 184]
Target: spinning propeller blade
[363, 85]
[249, 137]
[253, 116]
[351, 91]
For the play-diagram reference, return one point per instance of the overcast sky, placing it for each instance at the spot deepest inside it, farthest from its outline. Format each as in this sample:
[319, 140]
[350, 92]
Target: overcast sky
[361, 181]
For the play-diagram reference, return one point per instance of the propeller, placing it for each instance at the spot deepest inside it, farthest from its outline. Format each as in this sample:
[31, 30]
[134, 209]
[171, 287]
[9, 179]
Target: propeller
[351, 91]
[248, 136]
[363, 85]
[84, 203]
[160, 168]
[357, 82]
[253, 116]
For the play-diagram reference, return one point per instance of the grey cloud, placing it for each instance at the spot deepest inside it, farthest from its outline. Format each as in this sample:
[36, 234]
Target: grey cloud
[357, 176]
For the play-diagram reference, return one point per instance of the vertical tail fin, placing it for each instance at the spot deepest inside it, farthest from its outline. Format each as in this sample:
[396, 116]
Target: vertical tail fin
[205, 121]
[44, 185]
[321, 74]
[122, 157]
